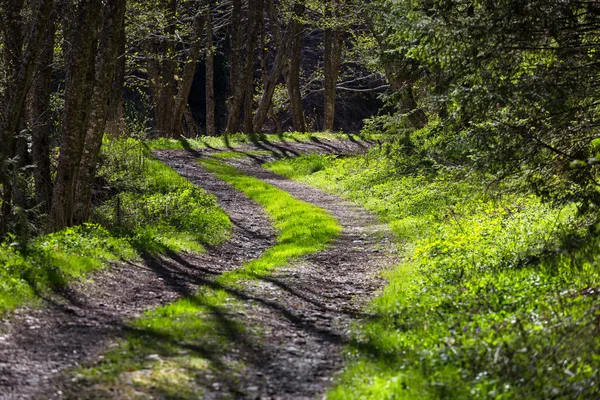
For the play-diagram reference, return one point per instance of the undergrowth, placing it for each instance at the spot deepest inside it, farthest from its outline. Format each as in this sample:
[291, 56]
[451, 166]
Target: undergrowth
[178, 350]
[153, 206]
[144, 207]
[495, 297]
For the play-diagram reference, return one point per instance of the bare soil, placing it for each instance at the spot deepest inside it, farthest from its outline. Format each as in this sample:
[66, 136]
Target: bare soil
[304, 311]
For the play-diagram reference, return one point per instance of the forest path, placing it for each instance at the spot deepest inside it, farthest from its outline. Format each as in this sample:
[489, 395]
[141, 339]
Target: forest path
[303, 310]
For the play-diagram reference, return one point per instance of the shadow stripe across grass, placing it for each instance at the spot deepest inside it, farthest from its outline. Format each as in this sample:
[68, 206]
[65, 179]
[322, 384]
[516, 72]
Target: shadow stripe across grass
[175, 351]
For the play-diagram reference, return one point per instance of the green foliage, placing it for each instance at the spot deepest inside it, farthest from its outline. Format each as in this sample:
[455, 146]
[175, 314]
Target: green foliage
[513, 82]
[493, 298]
[174, 350]
[153, 205]
[147, 207]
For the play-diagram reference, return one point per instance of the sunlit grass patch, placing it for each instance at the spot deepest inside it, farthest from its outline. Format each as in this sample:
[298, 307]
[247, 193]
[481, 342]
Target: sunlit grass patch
[155, 207]
[48, 262]
[304, 165]
[302, 228]
[492, 297]
[174, 351]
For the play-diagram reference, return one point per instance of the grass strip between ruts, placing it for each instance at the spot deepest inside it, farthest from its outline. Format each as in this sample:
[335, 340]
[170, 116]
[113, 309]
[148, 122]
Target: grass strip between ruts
[302, 228]
[179, 349]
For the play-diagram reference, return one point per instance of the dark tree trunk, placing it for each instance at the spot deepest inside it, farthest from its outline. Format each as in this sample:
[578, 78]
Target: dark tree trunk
[170, 93]
[190, 129]
[415, 115]
[106, 60]
[210, 77]
[20, 68]
[39, 121]
[401, 75]
[235, 68]
[22, 159]
[293, 81]
[270, 82]
[333, 58]
[255, 17]
[276, 121]
[399, 82]
[248, 102]
[162, 69]
[187, 76]
[82, 37]
[116, 107]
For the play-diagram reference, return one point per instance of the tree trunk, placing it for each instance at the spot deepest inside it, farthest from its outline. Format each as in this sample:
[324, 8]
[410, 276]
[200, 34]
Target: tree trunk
[248, 103]
[106, 60]
[22, 159]
[78, 89]
[170, 82]
[399, 82]
[270, 83]
[276, 121]
[415, 115]
[162, 69]
[401, 76]
[293, 81]
[235, 69]
[39, 121]
[187, 76]
[255, 18]
[333, 58]
[190, 129]
[210, 76]
[19, 74]
[116, 107]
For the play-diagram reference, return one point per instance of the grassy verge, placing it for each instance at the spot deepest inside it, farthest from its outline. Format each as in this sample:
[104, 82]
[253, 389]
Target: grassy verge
[147, 208]
[494, 298]
[178, 350]
[240, 139]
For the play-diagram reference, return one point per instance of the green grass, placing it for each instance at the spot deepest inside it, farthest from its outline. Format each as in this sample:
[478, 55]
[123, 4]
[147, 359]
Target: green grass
[493, 298]
[149, 209]
[303, 228]
[178, 350]
[49, 261]
[241, 139]
[156, 208]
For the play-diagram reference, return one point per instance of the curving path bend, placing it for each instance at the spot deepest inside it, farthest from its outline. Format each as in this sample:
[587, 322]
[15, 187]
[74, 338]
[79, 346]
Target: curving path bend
[304, 310]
